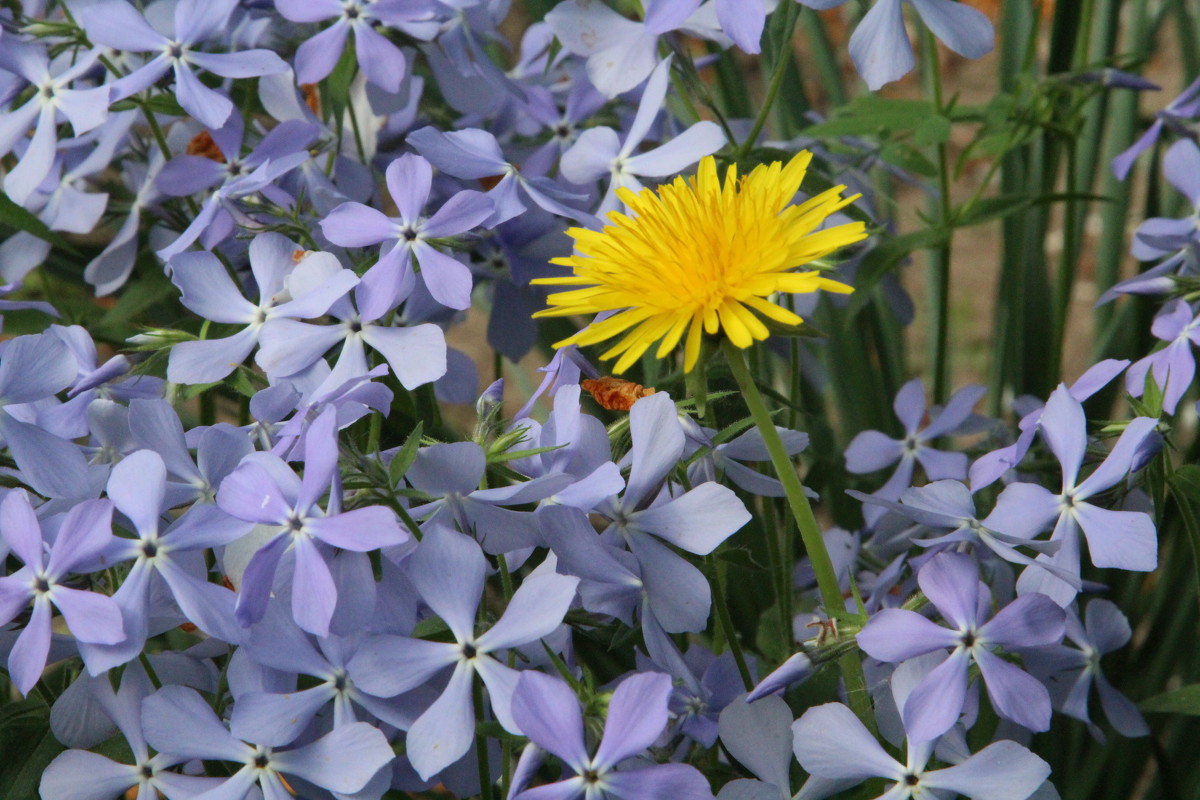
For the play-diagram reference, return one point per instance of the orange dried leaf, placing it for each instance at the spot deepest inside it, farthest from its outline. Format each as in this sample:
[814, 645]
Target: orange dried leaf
[615, 394]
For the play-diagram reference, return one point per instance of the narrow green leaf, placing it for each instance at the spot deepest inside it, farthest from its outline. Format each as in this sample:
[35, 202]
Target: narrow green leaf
[1180, 701]
[17, 217]
[408, 453]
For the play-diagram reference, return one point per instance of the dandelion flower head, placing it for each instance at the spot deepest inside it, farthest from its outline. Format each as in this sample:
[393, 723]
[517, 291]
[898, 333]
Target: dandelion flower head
[698, 256]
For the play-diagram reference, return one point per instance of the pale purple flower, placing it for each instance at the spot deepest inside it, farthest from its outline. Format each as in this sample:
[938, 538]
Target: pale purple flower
[1174, 366]
[1177, 115]
[416, 354]
[283, 149]
[620, 52]
[450, 474]
[116, 24]
[210, 292]
[84, 108]
[381, 61]
[84, 775]
[409, 180]
[1070, 673]
[179, 724]
[599, 152]
[835, 747]
[278, 718]
[448, 570]
[548, 713]
[873, 450]
[165, 562]
[949, 508]
[83, 535]
[645, 518]
[475, 154]
[990, 467]
[264, 490]
[32, 369]
[951, 582]
[154, 425]
[758, 735]
[1120, 539]
[880, 47]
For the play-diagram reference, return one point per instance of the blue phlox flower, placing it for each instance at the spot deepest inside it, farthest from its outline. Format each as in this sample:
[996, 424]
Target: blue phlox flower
[951, 582]
[837, 750]
[599, 152]
[210, 292]
[409, 180]
[155, 425]
[381, 61]
[873, 450]
[581, 450]
[549, 714]
[645, 517]
[137, 487]
[450, 475]
[84, 775]
[83, 535]
[990, 467]
[116, 24]
[880, 46]
[416, 353]
[948, 508]
[758, 735]
[1121, 539]
[279, 717]
[34, 368]
[1177, 116]
[620, 52]
[448, 570]
[1174, 366]
[1070, 673]
[343, 760]
[84, 108]
[265, 491]
[475, 154]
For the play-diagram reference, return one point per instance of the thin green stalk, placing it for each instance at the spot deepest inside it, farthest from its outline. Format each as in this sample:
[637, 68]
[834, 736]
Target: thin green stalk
[481, 750]
[725, 621]
[150, 671]
[939, 257]
[792, 12]
[810, 532]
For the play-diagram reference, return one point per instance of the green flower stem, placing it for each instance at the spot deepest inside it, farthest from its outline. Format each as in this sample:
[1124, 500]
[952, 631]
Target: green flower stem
[792, 12]
[810, 533]
[481, 749]
[939, 258]
[725, 621]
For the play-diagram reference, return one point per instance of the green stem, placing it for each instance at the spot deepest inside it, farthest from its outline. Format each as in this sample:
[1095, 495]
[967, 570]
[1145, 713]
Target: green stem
[939, 258]
[810, 532]
[792, 12]
[725, 621]
[150, 672]
[481, 749]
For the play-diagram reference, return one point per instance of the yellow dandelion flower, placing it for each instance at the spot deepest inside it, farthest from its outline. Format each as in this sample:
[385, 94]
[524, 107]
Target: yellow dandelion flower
[698, 256]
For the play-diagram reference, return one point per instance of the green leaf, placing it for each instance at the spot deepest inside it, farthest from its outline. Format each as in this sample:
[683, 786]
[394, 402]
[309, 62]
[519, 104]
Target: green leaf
[408, 453]
[1180, 701]
[28, 748]
[908, 157]
[882, 259]
[934, 130]
[17, 217]
[1184, 485]
[872, 115]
